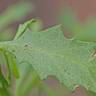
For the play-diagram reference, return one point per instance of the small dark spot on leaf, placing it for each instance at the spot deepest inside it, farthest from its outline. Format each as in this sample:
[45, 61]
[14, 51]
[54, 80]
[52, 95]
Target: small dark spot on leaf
[13, 50]
[26, 45]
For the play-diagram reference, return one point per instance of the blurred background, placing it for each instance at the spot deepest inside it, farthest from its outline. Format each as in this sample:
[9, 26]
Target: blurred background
[15, 12]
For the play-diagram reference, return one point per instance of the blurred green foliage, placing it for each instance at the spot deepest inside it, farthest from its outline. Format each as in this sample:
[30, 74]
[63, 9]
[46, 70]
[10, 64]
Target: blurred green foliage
[82, 31]
[16, 12]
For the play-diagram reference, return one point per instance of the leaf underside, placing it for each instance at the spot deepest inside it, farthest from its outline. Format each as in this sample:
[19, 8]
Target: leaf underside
[50, 53]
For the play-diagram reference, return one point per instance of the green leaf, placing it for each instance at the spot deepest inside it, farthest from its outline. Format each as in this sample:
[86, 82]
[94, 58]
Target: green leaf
[27, 81]
[3, 81]
[11, 65]
[33, 25]
[4, 92]
[50, 53]
[11, 61]
[91, 93]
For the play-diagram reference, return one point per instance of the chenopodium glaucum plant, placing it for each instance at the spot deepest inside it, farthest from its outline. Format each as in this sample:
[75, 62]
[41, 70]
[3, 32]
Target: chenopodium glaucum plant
[49, 52]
